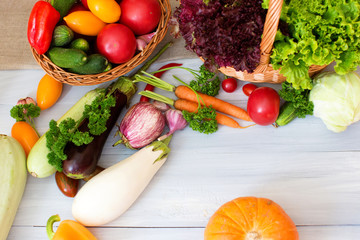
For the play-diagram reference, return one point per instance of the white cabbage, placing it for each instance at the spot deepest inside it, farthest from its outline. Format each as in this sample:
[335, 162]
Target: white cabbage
[336, 99]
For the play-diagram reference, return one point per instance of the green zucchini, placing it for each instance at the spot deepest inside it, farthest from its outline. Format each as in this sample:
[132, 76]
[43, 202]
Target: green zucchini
[12, 181]
[67, 57]
[287, 114]
[37, 162]
[62, 36]
[62, 6]
[97, 63]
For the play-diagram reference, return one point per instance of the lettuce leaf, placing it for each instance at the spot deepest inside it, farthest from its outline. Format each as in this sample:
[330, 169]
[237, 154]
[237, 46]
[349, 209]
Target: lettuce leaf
[319, 32]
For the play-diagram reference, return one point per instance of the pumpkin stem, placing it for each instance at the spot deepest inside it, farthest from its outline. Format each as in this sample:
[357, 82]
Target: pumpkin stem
[253, 236]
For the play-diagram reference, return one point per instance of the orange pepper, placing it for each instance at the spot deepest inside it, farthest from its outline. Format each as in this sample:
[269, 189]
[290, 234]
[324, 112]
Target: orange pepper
[67, 230]
[84, 22]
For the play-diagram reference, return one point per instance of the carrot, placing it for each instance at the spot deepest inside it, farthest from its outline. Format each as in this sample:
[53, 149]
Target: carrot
[183, 104]
[25, 134]
[183, 92]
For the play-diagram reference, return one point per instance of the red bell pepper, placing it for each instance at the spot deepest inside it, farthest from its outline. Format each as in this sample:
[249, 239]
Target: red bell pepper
[42, 21]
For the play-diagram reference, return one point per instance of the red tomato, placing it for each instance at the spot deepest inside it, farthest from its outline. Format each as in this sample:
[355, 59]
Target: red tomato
[141, 16]
[249, 88]
[263, 106]
[116, 42]
[229, 85]
[84, 2]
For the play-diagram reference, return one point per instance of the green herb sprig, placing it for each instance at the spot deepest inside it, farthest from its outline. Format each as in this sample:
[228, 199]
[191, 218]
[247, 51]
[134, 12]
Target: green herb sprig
[59, 135]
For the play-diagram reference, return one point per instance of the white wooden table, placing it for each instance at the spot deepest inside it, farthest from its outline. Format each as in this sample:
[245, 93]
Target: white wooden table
[313, 173]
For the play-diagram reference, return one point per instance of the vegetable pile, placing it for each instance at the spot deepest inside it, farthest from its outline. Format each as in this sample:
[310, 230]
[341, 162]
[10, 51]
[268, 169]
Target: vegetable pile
[223, 32]
[320, 32]
[89, 38]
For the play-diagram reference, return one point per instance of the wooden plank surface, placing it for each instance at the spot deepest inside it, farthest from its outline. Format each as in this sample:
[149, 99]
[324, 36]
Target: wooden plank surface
[314, 174]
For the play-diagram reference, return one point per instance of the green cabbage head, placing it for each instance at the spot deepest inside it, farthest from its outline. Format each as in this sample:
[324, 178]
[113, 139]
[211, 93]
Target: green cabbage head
[336, 99]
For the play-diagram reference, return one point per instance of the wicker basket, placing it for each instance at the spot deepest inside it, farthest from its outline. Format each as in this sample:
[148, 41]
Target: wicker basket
[264, 71]
[76, 79]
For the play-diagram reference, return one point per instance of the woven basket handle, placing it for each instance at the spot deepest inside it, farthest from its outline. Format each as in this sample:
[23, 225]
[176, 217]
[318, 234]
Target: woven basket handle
[270, 29]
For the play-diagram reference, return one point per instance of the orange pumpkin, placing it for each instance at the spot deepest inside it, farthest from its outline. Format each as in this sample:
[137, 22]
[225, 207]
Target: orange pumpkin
[250, 218]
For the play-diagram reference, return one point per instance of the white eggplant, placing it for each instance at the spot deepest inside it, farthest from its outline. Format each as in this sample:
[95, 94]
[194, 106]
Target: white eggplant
[110, 193]
[13, 176]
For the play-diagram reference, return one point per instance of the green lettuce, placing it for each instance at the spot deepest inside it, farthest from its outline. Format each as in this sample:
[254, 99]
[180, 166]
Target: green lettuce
[320, 32]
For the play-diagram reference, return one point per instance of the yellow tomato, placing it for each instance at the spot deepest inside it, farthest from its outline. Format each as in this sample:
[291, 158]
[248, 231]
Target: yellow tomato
[48, 92]
[107, 10]
[84, 22]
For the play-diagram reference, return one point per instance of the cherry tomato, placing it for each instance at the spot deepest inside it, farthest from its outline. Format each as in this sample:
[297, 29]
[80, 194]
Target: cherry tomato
[248, 88]
[117, 43]
[48, 92]
[141, 16]
[68, 186]
[107, 10]
[25, 134]
[263, 106]
[229, 85]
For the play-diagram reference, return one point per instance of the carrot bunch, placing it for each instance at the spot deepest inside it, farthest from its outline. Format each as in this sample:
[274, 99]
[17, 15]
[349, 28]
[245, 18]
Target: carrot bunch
[191, 101]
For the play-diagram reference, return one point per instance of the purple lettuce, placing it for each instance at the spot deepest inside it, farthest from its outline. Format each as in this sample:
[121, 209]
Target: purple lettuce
[223, 32]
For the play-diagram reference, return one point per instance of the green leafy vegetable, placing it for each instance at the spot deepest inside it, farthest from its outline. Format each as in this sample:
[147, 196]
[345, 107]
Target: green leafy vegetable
[299, 98]
[25, 112]
[203, 120]
[320, 32]
[206, 82]
[297, 104]
[95, 116]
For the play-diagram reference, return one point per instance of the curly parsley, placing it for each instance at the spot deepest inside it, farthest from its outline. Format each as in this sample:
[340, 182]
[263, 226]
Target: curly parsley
[203, 120]
[206, 82]
[95, 115]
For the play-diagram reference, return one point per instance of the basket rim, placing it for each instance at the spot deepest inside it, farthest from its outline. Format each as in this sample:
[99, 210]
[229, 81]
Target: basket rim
[64, 76]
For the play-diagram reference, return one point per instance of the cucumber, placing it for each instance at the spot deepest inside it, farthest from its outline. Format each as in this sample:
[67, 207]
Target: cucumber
[12, 181]
[80, 43]
[67, 57]
[37, 162]
[287, 114]
[97, 63]
[62, 36]
[62, 6]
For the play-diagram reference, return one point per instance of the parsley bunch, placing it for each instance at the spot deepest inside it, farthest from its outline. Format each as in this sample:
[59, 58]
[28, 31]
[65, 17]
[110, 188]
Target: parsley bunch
[25, 112]
[203, 120]
[95, 115]
[205, 82]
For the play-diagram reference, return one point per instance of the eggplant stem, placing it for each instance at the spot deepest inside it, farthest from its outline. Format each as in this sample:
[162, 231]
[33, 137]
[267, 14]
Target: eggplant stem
[50, 224]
